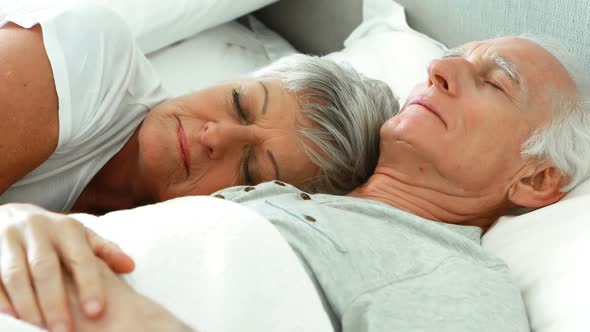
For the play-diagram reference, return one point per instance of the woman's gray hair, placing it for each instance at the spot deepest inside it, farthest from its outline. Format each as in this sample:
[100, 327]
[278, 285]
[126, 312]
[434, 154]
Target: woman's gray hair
[565, 140]
[348, 110]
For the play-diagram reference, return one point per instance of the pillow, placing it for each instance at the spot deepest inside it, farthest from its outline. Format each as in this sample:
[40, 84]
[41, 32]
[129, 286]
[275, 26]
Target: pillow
[546, 251]
[225, 52]
[384, 47]
[157, 23]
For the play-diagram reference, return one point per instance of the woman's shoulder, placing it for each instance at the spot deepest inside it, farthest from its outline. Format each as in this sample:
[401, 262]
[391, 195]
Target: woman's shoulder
[79, 16]
[92, 21]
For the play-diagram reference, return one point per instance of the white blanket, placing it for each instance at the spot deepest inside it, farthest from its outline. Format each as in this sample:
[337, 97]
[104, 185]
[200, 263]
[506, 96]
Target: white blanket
[214, 264]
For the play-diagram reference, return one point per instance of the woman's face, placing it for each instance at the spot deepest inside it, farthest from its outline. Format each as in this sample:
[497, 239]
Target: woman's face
[236, 133]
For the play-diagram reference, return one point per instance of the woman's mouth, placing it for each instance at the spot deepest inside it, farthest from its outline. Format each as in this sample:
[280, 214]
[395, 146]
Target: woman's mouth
[184, 148]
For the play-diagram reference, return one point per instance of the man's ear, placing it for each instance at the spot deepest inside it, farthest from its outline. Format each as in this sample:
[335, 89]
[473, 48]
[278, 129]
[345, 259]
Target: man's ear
[539, 188]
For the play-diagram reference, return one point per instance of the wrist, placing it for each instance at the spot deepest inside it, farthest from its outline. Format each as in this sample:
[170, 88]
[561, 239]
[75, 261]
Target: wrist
[162, 320]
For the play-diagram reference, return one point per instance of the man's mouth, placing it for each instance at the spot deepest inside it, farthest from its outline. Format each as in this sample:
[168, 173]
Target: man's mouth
[425, 103]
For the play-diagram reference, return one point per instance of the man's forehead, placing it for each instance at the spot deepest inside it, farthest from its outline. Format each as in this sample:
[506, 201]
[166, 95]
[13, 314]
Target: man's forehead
[510, 47]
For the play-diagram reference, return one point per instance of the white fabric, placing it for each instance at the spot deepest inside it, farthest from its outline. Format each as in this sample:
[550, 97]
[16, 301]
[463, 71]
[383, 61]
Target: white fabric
[225, 52]
[214, 264]
[105, 87]
[384, 47]
[157, 23]
[547, 252]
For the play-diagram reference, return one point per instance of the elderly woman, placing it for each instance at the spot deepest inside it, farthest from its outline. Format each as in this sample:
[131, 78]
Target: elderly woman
[86, 126]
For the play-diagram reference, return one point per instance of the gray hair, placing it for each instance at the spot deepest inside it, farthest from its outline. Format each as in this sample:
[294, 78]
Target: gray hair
[565, 140]
[348, 110]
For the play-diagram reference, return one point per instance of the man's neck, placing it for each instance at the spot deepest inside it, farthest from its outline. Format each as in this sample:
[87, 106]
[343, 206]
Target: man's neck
[427, 203]
[114, 186]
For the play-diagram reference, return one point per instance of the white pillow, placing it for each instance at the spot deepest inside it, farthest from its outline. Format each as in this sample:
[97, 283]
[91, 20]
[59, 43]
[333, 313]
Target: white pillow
[546, 251]
[222, 53]
[157, 23]
[384, 47]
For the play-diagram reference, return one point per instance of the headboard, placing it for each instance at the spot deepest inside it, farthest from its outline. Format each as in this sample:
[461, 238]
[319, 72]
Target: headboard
[320, 26]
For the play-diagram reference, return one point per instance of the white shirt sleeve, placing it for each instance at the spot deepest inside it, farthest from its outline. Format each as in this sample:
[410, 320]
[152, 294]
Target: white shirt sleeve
[95, 64]
[105, 87]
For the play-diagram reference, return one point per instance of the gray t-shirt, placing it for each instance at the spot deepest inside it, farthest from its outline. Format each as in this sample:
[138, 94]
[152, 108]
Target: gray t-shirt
[382, 269]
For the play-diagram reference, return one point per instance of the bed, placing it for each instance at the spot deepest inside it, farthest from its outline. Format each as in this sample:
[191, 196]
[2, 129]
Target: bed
[546, 249]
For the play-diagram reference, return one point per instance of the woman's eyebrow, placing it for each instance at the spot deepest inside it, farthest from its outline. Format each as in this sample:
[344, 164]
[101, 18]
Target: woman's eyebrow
[265, 104]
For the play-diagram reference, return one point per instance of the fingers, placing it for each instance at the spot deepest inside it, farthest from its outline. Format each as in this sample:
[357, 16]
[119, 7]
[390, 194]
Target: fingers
[46, 274]
[110, 253]
[82, 264]
[5, 305]
[15, 277]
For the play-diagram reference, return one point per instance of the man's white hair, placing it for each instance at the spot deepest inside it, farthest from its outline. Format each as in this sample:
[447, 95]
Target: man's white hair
[565, 140]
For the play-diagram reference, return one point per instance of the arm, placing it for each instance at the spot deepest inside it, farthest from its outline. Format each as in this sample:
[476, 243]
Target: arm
[28, 103]
[126, 310]
[34, 245]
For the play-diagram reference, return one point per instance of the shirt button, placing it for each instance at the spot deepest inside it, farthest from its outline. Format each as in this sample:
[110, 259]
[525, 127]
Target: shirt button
[247, 189]
[310, 218]
[219, 196]
[279, 183]
[305, 196]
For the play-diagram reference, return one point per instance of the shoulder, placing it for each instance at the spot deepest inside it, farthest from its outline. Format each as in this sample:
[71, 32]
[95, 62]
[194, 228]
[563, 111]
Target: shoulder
[79, 16]
[91, 16]
[89, 23]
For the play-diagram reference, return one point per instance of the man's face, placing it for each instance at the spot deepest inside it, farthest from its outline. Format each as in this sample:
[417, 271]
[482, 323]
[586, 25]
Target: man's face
[467, 122]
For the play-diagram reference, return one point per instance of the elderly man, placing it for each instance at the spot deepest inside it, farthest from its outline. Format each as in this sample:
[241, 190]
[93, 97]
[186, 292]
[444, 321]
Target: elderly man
[476, 140]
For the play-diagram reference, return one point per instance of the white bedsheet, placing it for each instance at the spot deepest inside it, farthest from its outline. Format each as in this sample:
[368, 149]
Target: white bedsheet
[216, 265]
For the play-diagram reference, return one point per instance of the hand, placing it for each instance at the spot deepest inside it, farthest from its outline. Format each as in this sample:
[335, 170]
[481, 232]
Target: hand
[125, 309]
[34, 245]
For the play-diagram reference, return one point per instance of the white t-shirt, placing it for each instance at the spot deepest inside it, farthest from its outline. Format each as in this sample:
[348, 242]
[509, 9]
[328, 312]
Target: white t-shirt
[105, 87]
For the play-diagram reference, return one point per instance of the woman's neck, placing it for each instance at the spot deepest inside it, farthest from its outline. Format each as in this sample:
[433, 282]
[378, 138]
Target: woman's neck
[114, 186]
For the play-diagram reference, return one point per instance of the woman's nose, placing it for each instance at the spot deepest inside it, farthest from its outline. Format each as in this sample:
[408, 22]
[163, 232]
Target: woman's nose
[222, 138]
[445, 74]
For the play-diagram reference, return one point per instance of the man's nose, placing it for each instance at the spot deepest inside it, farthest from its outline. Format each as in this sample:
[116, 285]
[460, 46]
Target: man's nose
[445, 74]
[221, 138]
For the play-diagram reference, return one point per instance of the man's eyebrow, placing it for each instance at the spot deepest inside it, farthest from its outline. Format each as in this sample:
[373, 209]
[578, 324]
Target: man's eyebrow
[509, 68]
[455, 52]
[274, 164]
[265, 104]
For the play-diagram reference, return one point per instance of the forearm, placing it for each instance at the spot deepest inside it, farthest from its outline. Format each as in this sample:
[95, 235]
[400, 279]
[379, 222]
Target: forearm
[166, 322]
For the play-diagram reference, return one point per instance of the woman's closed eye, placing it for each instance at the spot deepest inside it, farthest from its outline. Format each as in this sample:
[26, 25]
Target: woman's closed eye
[248, 159]
[242, 113]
